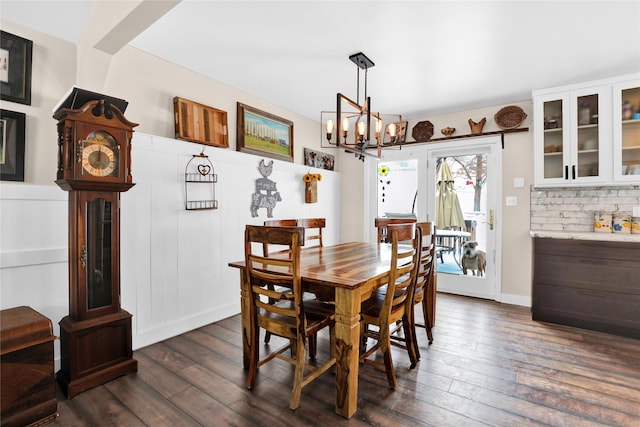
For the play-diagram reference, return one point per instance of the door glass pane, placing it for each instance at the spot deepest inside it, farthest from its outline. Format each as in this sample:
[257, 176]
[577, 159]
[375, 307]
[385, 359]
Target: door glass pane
[99, 280]
[630, 131]
[553, 139]
[468, 190]
[588, 144]
[397, 188]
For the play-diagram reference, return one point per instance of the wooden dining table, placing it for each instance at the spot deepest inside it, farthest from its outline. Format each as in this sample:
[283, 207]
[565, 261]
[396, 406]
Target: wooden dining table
[347, 274]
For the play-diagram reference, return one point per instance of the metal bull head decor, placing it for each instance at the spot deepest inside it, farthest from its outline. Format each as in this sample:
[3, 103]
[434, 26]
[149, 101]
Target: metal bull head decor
[266, 194]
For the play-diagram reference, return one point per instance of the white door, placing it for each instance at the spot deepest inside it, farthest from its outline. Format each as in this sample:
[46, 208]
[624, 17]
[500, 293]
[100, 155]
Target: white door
[476, 165]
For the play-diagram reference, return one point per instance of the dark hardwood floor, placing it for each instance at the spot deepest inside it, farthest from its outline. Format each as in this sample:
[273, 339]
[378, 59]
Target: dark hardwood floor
[489, 364]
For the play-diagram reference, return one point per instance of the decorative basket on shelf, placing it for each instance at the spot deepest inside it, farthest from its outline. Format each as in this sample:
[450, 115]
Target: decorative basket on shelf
[510, 117]
[422, 131]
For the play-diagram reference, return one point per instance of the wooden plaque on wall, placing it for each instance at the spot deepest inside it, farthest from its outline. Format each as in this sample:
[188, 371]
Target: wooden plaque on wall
[200, 123]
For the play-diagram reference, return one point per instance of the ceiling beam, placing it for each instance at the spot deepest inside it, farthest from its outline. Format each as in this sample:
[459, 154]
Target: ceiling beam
[138, 20]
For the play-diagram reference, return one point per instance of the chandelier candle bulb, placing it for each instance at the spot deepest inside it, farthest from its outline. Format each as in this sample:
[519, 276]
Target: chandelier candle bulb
[378, 128]
[329, 129]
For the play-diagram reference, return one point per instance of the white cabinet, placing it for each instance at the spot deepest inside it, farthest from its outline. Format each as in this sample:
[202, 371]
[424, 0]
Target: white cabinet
[572, 131]
[582, 136]
[626, 131]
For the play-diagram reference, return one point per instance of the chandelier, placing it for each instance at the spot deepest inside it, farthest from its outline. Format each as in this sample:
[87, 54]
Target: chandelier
[357, 129]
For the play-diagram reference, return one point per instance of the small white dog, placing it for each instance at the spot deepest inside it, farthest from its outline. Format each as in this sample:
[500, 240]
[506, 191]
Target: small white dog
[473, 259]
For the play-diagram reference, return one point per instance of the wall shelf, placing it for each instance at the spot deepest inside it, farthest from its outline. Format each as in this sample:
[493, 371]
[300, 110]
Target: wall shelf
[200, 171]
[470, 135]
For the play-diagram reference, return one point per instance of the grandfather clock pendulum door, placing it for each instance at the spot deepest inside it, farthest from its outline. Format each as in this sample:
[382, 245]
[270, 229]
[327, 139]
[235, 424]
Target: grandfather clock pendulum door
[94, 166]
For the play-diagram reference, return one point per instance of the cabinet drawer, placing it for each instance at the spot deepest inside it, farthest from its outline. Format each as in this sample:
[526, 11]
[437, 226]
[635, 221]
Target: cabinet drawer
[596, 266]
[588, 309]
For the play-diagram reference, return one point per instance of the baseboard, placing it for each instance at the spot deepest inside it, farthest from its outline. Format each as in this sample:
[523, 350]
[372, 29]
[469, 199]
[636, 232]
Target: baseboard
[523, 300]
[169, 330]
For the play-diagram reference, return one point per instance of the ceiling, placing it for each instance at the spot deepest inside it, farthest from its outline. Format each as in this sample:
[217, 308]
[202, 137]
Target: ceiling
[431, 57]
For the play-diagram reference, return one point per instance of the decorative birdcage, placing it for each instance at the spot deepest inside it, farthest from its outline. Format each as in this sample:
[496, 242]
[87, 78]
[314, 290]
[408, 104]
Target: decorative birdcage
[200, 183]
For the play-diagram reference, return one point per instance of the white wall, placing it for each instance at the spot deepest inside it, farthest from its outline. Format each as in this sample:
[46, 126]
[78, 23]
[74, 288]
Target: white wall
[54, 72]
[174, 262]
[33, 249]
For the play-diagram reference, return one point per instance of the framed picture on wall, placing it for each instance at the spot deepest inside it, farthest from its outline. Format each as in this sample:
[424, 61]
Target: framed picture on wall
[264, 134]
[12, 126]
[200, 123]
[318, 159]
[15, 68]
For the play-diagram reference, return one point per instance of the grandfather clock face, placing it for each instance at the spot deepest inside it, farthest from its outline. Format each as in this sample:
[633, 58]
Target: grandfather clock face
[100, 155]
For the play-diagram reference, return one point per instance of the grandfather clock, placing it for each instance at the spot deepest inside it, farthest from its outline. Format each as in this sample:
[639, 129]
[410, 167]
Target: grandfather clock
[94, 166]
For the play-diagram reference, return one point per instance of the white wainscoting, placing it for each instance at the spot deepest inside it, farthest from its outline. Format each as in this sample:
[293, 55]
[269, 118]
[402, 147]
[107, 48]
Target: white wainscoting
[174, 263]
[33, 250]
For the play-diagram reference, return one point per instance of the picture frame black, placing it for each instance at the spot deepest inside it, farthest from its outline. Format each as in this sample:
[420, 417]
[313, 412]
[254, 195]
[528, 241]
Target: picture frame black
[15, 68]
[264, 134]
[12, 137]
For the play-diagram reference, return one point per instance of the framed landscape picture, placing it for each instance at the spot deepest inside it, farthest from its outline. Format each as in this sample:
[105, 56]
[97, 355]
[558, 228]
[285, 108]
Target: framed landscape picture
[15, 68]
[264, 134]
[12, 131]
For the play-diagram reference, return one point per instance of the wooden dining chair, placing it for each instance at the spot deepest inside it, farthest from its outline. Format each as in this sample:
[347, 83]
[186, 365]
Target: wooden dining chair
[424, 292]
[382, 225]
[279, 223]
[313, 229]
[289, 317]
[310, 223]
[266, 249]
[394, 305]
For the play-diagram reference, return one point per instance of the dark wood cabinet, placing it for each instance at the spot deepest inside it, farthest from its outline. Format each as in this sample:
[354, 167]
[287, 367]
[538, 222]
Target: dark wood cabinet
[587, 284]
[26, 371]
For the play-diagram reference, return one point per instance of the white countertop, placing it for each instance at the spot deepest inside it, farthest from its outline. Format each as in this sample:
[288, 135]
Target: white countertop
[581, 235]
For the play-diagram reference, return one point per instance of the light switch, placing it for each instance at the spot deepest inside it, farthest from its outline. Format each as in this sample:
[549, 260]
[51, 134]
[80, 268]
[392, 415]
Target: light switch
[518, 182]
[636, 211]
[512, 201]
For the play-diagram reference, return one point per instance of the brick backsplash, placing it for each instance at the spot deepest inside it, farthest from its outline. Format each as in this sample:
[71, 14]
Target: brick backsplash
[572, 209]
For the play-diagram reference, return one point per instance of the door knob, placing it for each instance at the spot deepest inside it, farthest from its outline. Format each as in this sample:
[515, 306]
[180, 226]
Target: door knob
[490, 219]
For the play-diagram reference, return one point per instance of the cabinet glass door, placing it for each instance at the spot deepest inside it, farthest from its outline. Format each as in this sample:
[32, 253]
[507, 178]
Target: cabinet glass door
[553, 140]
[627, 133]
[588, 149]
